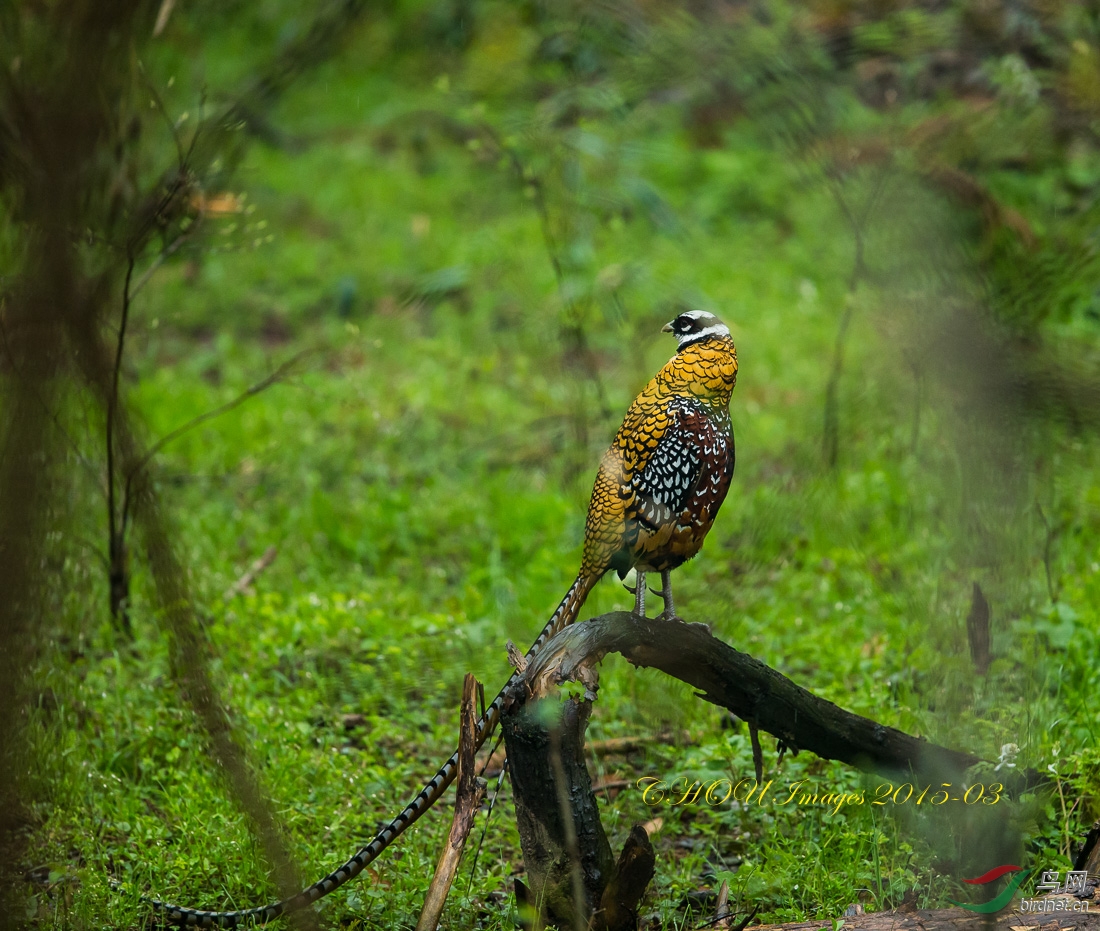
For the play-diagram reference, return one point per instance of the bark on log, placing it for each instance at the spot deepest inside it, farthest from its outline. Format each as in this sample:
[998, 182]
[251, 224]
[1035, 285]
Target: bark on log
[955, 919]
[1088, 857]
[752, 691]
[628, 882]
[565, 850]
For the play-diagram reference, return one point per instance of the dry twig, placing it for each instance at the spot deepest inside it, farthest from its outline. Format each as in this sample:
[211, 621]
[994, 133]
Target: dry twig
[470, 793]
[249, 577]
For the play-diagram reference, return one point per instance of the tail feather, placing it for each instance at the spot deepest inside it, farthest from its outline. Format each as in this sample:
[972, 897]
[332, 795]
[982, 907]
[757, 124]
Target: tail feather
[565, 614]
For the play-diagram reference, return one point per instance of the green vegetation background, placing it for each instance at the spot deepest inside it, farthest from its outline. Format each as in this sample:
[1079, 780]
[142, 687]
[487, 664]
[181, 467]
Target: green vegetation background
[479, 216]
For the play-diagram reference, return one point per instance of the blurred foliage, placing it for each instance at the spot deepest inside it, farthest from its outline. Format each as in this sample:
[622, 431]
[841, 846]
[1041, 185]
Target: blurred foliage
[483, 212]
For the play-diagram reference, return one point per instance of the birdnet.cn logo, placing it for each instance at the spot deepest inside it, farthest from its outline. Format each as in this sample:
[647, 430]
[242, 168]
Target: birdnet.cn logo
[1076, 884]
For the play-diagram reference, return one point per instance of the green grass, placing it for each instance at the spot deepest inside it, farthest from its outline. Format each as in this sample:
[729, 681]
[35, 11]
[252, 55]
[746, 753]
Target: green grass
[424, 476]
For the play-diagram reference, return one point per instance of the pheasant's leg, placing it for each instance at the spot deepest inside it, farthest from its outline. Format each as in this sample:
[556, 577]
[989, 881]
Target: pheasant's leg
[639, 594]
[669, 614]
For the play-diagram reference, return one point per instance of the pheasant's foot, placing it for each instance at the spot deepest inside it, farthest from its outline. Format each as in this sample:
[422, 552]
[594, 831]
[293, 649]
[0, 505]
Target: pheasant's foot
[666, 594]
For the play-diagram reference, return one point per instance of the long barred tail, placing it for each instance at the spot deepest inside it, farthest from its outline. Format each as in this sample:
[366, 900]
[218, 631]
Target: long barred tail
[565, 614]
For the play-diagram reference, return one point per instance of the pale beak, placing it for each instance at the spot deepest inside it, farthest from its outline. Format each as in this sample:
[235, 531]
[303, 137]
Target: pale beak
[667, 328]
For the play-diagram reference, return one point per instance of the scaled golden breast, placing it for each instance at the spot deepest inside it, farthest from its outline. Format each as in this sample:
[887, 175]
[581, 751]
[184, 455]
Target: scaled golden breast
[667, 471]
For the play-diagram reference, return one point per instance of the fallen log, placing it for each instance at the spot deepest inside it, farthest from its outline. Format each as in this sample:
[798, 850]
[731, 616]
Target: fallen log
[565, 850]
[753, 691]
[956, 919]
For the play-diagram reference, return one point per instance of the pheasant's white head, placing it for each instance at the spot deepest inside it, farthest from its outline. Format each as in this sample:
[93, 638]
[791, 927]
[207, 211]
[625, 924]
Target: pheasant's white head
[695, 325]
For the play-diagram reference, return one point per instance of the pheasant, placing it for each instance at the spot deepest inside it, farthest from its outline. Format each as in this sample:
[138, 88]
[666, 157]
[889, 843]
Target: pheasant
[657, 492]
[661, 482]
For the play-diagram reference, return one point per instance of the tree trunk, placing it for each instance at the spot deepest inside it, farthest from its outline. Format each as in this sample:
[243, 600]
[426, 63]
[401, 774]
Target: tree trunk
[565, 850]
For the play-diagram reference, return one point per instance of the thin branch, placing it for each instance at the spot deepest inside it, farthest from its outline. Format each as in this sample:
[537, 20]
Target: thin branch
[1048, 551]
[166, 253]
[714, 920]
[859, 267]
[150, 217]
[117, 575]
[528, 177]
[831, 438]
[112, 405]
[175, 434]
[492, 804]
[918, 389]
[199, 123]
[249, 577]
[163, 14]
[96, 551]
[255, 389]
[121, 344]
[165, 9]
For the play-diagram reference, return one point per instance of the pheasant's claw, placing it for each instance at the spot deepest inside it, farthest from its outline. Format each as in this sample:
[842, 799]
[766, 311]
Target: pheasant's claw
[633, 591]
[659, 594]
[665, 616]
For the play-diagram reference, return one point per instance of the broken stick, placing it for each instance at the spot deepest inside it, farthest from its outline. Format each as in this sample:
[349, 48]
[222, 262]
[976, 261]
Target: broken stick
[468, 798]
[250, 576]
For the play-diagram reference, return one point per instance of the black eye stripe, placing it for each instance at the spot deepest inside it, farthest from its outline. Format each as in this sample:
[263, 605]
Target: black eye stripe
[687, 324]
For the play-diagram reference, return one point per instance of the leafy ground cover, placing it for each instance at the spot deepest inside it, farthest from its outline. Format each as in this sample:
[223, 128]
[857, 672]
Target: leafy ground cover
[424, 474]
